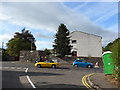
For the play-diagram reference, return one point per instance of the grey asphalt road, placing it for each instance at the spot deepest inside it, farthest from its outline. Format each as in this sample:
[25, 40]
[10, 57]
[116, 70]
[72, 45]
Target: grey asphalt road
[14, 76]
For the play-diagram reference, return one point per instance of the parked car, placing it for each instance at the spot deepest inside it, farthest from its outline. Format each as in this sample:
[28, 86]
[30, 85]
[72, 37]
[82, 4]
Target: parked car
[47, 63]
[82, 63]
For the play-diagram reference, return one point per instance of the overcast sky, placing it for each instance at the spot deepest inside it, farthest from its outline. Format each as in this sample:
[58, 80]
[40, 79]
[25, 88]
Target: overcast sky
[43, 19]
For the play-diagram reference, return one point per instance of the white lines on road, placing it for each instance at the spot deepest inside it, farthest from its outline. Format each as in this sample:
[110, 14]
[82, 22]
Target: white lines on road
[5, 67]
[12, 68]
[29, 79]
[19, 68]
[26, 70]
[14, 62]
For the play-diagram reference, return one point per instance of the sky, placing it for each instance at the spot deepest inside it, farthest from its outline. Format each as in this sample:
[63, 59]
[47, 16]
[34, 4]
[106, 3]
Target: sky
[43, 19]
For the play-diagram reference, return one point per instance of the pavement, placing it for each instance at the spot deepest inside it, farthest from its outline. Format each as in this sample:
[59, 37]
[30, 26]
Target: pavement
[100, 82]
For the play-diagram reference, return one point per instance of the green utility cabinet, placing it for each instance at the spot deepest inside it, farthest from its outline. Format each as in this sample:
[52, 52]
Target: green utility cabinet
[107, 61]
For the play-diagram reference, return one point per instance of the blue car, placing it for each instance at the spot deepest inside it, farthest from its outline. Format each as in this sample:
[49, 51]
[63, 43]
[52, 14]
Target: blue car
[82, 63]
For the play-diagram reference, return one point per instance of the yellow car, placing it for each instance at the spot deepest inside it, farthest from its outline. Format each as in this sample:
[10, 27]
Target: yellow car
[47, 64]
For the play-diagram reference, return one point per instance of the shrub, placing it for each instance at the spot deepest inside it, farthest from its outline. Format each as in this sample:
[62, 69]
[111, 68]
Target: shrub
[116, 58]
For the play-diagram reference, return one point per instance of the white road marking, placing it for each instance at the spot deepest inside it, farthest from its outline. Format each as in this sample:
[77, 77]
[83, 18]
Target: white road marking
[26, 70]
[29, 79]
[5, 67]
[14, 62]
[19, 68]
[12, 67]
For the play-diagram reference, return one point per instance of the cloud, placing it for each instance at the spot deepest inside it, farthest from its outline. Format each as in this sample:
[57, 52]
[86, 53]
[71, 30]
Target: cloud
[80, 6]
[36, 15]
[39, 35]
[47, 16]
[60, 0]
[113, 27]
[43, 44]
[98, 11]
[106, 16]
[5, 37]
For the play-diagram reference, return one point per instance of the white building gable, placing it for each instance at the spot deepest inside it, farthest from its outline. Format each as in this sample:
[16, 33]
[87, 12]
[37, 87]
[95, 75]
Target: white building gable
[86, 45]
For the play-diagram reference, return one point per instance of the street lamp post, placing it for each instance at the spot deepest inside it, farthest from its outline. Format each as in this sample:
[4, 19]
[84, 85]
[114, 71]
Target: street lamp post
[31, 49]
[32, 41]
[31, 46]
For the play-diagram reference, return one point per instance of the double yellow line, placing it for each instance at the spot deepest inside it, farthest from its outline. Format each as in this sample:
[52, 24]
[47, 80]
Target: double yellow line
[84, 80]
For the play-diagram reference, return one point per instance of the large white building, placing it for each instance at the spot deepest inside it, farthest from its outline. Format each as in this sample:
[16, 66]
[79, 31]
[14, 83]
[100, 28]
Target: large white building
[86, 45]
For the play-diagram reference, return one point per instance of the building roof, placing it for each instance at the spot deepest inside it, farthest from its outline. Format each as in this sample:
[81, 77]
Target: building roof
[86, 33]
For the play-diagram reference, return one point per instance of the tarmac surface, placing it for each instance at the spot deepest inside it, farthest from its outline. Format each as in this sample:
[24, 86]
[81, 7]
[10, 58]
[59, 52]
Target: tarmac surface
[66, 76]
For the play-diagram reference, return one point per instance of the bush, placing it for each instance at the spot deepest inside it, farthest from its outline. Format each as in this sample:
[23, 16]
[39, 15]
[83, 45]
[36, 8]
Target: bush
[116, 58]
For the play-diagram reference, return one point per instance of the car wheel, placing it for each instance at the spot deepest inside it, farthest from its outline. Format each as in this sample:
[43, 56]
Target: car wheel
[53, 66]
[75, 65]
[39, 66]
[89, 66]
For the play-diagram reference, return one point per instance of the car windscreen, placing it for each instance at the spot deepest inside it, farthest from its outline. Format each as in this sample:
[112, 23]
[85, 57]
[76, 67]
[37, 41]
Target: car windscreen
[49, 61]
[80, 60]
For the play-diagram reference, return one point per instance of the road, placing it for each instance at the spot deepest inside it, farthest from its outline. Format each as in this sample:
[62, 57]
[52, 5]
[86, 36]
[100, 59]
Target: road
[14, 75]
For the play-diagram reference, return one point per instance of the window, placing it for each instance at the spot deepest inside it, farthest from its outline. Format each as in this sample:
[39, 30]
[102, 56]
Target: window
[79, 61]
[74, 41]
[50, 61]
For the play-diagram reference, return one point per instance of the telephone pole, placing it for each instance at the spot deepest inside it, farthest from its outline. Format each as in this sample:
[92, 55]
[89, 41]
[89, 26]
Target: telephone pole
[2, 45]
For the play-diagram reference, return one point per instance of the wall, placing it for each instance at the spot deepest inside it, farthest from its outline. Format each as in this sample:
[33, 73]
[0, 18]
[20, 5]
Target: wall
[28, 56]
[88, 59]
[87, 45]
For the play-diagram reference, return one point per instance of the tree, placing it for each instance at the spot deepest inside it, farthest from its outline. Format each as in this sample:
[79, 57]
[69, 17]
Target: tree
[116, 58]
[62, 45]
[108, 47]
[21, 41]
[3, 54]
[47, 51]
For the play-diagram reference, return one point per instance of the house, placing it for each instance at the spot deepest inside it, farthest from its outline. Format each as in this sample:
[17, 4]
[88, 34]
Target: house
[85, 44]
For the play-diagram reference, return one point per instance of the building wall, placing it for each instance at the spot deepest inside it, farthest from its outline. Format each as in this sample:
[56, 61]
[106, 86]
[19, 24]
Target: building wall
[28, 56]
[87, 45]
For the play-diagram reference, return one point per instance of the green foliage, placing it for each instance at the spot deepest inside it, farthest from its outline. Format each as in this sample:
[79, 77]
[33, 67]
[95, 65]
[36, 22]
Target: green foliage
[21, 41]
[108, 47]
[4, 54]
[47, 51]
[62, 45]
[116, 57]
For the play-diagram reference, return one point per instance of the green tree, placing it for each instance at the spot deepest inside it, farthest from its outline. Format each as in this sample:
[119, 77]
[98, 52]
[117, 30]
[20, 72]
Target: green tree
[116, 58]
[47, 51]
[21, 41]
[108, 47]
[62, 45]
[3, 54]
